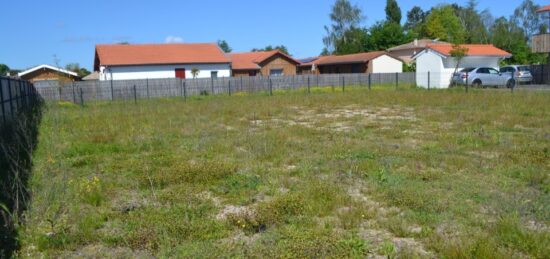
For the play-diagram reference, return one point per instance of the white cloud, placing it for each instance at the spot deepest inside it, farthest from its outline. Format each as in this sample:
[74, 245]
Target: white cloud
[173, 39]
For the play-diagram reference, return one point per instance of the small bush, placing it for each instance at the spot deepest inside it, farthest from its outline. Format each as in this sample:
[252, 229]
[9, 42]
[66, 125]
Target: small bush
[90, 190]
[281, 208]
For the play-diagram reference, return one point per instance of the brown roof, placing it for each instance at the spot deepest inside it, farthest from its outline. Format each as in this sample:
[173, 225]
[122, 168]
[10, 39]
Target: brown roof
[473, 50]
[545, 8]
[418, 44]
[141, 54]
[351, 58]
[314, 60]
[251, 60]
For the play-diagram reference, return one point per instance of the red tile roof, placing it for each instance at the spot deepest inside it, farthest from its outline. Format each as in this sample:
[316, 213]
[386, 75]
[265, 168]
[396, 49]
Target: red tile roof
[141, 54]
[347, 59]
[251, 60]
[473, 50]
[543, 9]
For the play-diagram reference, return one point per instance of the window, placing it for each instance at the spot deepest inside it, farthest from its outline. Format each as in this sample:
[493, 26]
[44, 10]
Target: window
[467, 70]
[483, 70]
[214, 74]
[276, 72]
[252, 73]
[523, 68]
[493, 71]
[505, 69]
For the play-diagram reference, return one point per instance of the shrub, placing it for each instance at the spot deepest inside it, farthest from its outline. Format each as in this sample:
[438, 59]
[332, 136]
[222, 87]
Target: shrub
[90, 190]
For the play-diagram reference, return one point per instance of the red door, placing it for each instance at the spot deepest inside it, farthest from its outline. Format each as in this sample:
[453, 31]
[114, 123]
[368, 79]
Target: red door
[180, 73]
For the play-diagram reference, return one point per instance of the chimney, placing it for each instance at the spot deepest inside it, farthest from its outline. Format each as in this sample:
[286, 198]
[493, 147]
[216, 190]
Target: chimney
[415, 42]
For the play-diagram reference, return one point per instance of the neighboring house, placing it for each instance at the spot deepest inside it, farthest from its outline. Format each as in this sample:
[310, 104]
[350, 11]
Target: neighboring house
[91, 77]
[46, 75]
[368, 62]
[309, 65]
[437, 60]
[142, 61]
[263, 63]
[406, 51]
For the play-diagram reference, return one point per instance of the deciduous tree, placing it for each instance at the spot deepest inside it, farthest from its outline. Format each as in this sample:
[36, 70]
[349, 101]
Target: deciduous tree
[393, 12]
[224, 46]
[281, 48]
[415, 21]
[344, 16]
[75, 67]
[4, 69]
[442, 23]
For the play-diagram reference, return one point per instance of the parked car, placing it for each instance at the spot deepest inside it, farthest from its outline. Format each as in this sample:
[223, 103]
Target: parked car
[521, 74]
[483, 77]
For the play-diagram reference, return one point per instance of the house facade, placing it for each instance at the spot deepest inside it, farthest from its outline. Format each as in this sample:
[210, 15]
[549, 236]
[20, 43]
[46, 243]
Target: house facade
[437, 60]
[264, 63]
[405, 52]
[150, 61]
[368, 62]
[46, 75]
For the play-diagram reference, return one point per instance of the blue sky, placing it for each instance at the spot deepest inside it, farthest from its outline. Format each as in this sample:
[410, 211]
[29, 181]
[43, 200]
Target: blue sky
[34, 31]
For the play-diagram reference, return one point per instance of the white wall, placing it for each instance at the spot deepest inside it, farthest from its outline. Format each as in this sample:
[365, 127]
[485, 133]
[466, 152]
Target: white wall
[429, 62]
[441, 69]
[161, 71]
[386, 64]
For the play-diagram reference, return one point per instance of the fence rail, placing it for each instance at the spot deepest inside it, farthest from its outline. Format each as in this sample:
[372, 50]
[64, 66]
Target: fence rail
[82, 91]
[15, 94]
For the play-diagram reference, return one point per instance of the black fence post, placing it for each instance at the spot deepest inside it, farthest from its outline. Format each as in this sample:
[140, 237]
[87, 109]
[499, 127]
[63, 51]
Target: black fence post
[2, 102]
[428, 80]
[396, 80]
[10, 96]
[74, 94]
[184, 90]
[212, 85]
[147, 85]
[81, 97]
[467, 79]
[112, 91]
[229, 86]
[343, 83]
[135, 95]
[308, 85]
[270, 86]
[513, 83]
[370, 80]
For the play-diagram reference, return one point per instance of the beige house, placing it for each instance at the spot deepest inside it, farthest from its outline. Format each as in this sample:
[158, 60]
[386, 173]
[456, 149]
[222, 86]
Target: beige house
[406, 51]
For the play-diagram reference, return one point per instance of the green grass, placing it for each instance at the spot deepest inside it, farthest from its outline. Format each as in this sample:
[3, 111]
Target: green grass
[407, 173]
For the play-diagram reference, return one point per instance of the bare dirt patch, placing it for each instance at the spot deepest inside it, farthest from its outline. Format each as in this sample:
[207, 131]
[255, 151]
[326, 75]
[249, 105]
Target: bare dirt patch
[377, 236]
[343, 119]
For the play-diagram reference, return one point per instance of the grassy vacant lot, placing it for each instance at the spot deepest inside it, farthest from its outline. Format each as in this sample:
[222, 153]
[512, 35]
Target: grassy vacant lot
[408, 173]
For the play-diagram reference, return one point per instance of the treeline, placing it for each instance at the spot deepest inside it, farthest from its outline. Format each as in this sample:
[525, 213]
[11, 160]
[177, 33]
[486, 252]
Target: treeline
[447, 22]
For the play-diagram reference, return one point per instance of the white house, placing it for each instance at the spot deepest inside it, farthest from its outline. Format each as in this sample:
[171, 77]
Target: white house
[436, 64]
[367, 62]
[149, 61]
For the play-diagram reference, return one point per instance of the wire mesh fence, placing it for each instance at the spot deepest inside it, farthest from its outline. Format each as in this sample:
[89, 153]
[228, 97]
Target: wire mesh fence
[15, 95]
[83, 91]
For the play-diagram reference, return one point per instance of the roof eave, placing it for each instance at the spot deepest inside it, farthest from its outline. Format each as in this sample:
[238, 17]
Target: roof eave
[168, 63]
[49, 67]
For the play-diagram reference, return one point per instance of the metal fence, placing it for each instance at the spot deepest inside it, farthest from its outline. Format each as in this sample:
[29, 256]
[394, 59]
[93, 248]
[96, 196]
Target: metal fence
[15, 95]
[82, 91]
